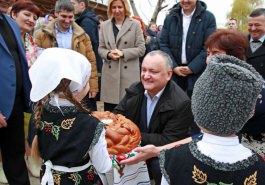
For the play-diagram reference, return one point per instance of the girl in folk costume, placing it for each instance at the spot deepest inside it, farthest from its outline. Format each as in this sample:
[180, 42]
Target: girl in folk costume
[69, 140]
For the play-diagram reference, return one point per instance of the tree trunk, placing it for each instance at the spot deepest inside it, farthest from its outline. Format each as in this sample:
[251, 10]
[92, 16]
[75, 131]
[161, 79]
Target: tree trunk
[135, 12]
[157, 10]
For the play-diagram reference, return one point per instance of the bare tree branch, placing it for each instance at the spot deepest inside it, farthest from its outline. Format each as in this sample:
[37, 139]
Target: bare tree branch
[163, 7]
[157, 9]
[135, 12]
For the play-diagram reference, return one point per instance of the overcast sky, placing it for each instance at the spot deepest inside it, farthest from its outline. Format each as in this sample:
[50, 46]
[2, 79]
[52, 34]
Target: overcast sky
[218, 7]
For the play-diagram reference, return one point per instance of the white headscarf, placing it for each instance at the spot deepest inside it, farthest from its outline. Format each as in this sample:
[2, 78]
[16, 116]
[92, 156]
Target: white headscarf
[52, 66]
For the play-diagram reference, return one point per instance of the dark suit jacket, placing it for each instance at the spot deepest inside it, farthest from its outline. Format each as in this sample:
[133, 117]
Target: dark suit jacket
[171, 118]
[257, 59]
[8, 73]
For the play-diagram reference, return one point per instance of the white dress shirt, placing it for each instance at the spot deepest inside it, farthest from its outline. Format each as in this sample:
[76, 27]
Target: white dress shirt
[185, 24]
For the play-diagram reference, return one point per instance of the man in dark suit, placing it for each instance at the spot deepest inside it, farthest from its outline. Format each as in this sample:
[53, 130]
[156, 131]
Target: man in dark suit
[14, 98]
[159, 107]
[256, 51]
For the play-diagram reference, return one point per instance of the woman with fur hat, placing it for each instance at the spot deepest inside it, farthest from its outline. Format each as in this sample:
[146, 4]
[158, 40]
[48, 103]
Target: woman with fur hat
[69, 140]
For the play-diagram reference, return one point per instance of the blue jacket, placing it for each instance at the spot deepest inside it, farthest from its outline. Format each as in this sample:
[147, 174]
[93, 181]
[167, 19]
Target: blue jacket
[202, 25]
[8, 73]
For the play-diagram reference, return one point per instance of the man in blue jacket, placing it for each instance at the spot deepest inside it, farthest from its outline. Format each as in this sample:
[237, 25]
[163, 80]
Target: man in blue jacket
[185, 30]
[89, 22]
[14, 98]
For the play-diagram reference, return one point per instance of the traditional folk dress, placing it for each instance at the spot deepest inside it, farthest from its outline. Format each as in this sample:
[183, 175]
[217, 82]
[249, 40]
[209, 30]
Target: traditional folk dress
[213, 160]
[73, 147]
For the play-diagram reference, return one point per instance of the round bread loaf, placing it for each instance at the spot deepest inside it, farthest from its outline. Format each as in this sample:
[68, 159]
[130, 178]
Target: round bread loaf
[122, 134]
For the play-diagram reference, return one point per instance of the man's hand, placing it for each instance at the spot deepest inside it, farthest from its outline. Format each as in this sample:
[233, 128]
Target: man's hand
[150, 151]
[2, 121]
[179, 71]
[186, 70]
[145, 153]
[92, 94]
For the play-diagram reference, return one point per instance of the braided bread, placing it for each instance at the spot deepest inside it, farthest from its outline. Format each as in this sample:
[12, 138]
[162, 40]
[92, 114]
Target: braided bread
[122, 135]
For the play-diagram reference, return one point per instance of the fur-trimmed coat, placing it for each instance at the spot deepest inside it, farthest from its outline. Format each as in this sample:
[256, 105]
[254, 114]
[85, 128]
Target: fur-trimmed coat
[80, 43]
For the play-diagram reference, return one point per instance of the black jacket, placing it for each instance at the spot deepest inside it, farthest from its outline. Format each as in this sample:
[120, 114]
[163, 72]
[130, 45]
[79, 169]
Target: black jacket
[170, 120]
[89, 22]
[257, 59]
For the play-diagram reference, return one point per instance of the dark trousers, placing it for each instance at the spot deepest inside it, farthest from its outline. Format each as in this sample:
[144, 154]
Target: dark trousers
[31, 130]
[109, 106]
[154, 170]
[183, 83]
[90, 103]
[12, 146]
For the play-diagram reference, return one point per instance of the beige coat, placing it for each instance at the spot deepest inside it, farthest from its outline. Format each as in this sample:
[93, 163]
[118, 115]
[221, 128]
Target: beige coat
[80, 43]
[118, 75]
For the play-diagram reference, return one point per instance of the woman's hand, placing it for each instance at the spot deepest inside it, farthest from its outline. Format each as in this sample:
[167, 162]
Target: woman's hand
[115, 54]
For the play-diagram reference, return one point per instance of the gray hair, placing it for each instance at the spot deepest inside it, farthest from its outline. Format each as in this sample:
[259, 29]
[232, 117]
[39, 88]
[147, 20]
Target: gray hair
[165, 56]
[257, 12]
[64, 5]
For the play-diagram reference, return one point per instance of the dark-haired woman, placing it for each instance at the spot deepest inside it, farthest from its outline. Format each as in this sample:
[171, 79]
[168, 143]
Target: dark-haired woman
[26, 13]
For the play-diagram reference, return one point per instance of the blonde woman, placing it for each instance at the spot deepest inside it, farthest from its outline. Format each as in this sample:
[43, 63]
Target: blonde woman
[121, 43]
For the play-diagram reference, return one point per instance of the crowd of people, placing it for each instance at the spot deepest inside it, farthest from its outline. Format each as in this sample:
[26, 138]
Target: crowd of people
[196, 93]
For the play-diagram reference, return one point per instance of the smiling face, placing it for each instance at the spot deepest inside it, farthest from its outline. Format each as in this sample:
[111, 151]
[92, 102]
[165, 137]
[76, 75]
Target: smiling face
[25, 19]
[256, 27]
[118, 10]
[65, 19]
[5, 4]
[152, 27]
[188, 6]
[154, 74]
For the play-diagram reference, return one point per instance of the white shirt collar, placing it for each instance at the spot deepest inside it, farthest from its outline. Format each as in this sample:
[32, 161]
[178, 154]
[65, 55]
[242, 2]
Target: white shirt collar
[223, 149]
[224, 141]
[261, 39]
[157, 95]
[184, 15]
[57, 29]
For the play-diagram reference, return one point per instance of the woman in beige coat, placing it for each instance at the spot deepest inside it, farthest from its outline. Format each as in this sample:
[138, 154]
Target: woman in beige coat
[121, 43]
